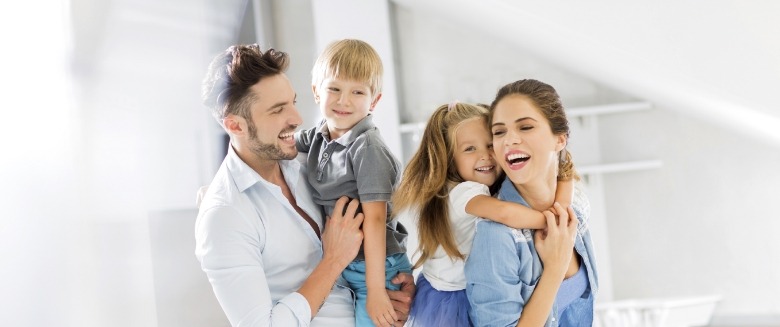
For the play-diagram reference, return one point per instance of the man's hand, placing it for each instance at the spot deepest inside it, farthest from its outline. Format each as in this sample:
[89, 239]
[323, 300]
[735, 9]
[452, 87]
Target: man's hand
[342, 237]
[402, 299]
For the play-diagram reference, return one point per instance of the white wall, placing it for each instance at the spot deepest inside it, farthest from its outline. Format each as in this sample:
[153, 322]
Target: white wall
[100, 137]
[704, 223]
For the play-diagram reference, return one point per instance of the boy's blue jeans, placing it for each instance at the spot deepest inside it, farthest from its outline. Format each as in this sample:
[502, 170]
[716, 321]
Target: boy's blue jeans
[355, 274]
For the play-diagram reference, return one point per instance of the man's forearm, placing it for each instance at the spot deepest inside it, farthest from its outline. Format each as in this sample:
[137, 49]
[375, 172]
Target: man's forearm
[319, 284]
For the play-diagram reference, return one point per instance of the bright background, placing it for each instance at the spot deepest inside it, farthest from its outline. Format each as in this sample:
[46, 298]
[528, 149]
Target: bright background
[104, 127]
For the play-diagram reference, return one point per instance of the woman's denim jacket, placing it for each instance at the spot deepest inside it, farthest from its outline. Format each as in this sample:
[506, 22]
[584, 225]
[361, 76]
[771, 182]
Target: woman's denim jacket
[504, 268]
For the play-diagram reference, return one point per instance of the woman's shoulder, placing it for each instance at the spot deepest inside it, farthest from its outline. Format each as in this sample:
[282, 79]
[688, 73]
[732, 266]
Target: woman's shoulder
[581, 204]
[493, 234]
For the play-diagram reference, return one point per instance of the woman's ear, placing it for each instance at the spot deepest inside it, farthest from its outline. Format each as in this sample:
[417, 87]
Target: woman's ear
[561, 142]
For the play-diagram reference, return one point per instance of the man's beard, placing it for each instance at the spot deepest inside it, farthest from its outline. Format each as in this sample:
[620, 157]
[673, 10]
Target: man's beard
[266, 151]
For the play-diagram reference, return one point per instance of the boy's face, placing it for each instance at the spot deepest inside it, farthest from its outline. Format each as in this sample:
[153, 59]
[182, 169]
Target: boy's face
[344, 103]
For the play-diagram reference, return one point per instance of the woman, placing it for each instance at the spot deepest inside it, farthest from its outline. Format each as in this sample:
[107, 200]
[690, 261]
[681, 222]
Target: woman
[506, 282]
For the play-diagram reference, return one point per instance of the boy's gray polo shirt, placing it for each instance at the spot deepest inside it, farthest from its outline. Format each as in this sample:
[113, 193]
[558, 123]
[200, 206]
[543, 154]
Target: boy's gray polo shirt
[359, 165]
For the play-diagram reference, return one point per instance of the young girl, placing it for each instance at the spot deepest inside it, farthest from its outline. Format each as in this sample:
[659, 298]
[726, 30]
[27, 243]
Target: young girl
[446, 183]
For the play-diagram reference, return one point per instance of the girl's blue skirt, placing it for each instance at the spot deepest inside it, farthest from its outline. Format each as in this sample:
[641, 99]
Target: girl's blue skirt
[433, 308]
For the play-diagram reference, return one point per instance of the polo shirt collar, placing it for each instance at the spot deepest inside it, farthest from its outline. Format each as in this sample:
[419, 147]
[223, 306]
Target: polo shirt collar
[362, 126]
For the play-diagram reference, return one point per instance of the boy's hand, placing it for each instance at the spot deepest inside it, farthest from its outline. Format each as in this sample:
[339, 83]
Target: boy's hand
[380, 309]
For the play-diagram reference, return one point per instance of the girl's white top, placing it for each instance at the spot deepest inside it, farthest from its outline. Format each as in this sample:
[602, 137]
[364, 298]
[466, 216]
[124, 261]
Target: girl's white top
[443, 272]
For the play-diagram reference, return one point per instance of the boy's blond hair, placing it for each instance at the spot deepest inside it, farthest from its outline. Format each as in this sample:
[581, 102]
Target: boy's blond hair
[349, 59]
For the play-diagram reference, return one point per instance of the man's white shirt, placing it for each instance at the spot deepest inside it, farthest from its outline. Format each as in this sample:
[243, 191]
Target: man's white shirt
[257, 250]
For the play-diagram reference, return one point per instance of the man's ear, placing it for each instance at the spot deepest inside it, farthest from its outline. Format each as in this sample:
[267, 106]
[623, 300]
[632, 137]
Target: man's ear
[234, 125]
[376, 100]
[316, 96]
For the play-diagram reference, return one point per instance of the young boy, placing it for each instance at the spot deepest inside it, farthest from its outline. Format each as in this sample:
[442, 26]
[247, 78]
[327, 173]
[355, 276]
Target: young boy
[347, 156]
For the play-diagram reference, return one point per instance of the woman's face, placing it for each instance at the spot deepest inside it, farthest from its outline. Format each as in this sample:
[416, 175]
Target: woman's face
[525, 147]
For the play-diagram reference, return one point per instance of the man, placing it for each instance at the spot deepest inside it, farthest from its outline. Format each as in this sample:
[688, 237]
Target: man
[258, 233]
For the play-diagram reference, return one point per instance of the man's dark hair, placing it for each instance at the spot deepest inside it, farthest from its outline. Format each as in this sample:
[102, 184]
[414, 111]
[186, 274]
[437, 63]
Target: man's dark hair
[231, 74]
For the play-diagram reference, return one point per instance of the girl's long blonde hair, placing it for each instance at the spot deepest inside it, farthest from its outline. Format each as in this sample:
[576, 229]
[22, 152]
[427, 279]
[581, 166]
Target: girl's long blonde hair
[429, 176]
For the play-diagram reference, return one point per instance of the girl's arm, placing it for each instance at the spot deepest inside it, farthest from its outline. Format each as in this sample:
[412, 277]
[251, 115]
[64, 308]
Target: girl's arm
[512, 214]
[516, 215]
[564, 193]
[378, 304]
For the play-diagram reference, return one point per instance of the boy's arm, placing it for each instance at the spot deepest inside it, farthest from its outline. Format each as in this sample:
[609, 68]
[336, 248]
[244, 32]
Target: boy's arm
[378, 304]
[508, 213]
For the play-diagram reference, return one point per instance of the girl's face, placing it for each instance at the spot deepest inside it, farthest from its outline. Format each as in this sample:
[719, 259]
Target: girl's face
[473, 153]
[524, 145]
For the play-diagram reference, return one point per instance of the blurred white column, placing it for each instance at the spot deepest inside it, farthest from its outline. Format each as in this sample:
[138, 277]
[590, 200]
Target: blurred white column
[368, 21]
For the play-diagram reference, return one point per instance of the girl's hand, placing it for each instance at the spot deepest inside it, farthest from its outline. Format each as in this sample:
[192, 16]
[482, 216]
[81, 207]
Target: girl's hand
[555, 244]
[380, 309]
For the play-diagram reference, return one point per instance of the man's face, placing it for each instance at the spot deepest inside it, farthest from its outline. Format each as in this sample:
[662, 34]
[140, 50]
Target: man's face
[274, 119]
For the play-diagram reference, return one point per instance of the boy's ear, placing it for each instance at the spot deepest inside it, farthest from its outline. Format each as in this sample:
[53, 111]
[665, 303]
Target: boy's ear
[233, 124]
[376, 100]
[314, 91]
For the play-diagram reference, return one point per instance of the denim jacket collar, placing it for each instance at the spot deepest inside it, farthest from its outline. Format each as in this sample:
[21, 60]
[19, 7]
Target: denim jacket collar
[508, 192]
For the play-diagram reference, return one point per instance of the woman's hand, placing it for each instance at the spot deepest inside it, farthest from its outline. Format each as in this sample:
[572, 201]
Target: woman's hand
[555, 243]
[342, 237]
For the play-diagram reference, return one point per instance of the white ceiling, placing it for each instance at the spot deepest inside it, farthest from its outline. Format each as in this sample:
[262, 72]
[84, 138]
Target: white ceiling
[718, 60]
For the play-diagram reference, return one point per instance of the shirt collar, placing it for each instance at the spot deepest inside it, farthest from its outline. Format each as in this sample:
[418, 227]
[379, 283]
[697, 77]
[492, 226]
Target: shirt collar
[245, 176]
[362, 126]
[508, 192]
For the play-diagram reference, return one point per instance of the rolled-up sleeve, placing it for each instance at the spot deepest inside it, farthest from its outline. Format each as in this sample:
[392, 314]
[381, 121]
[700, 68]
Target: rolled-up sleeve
[229, 248]
[304, 139]
[493, 286]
